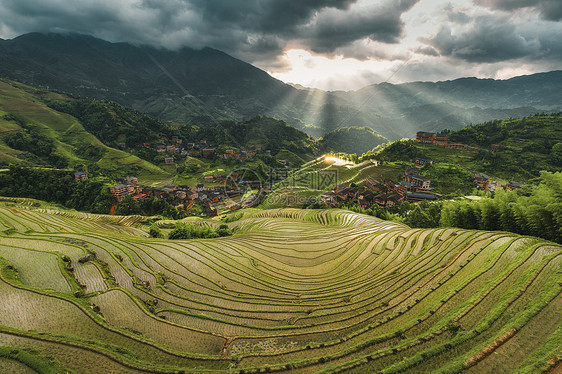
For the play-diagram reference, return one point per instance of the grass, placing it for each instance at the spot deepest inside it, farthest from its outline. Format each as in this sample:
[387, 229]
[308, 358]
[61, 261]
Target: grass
[303, 290]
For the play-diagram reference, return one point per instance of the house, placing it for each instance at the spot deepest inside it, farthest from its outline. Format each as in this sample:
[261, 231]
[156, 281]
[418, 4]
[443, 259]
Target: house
[210, 209]
[121, 190]
[425, 137]
[208, 152]
[421, 196]
[366, 199]
[394, 200]
[440, 139]
[342, 195]
[482, 180]
[340, 187]
[370, 183]
[80, 176]
[513, 186]
[390, 184]
[181, 194]
[232, 193]
[200, 187]
[160, 148]
[421, 161]
[191, 195]
[169, 160]
[380, 199]
[352, 192]
[404, 187]
[420, 182]
[209, 178]
[329, 200]
[194, 154]
[431, 137]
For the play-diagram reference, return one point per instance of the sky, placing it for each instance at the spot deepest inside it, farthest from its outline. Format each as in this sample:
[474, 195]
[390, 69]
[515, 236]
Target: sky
[325, 44]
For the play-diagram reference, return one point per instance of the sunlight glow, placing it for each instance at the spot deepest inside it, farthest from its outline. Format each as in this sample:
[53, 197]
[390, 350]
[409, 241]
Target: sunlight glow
[331, 73]
[335, 161]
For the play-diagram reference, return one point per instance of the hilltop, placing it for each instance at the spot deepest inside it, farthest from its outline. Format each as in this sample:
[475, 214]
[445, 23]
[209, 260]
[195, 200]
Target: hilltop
[351, 140]
[206, 86]
[515, 149]
[292, 290]
[34, 134]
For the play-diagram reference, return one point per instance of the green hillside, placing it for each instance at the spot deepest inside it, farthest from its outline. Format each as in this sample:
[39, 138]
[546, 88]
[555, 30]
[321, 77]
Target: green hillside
[351, 140]
[510, 150]
[42, 128]
[33, 134]
[298, 291]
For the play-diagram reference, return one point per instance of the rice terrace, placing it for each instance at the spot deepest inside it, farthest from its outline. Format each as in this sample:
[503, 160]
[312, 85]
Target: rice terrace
[305, 291]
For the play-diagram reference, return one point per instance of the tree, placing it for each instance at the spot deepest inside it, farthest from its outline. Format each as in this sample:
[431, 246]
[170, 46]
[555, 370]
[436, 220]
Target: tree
[128, 206]
[223, 230]
[556, 154]
[155, 231]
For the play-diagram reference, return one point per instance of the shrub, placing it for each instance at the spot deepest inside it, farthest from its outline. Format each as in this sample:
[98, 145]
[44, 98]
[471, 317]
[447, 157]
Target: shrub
[155, 231]
[190, 231]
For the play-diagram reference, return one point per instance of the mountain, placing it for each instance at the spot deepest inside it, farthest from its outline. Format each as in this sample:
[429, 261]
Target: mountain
[205, 86]
[184, 85]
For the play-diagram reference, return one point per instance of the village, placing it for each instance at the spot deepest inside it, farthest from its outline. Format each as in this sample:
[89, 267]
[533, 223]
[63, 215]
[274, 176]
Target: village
[219, 192]
[413, 188]
[230, 192]
[200, 149]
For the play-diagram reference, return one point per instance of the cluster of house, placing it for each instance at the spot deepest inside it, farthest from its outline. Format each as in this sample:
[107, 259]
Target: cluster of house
[197, 149]
[439, 139]
[387, 194]
[185, 197]
[484, 182]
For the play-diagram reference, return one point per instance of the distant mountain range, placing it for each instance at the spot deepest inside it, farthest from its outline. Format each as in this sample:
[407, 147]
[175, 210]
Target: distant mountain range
[205, 86]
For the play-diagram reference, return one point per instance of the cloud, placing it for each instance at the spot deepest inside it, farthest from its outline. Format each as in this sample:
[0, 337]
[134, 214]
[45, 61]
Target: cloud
[253, 30]
[494, 38]
[333, 29]
[550, 10]
[486, 41]
[460, 37]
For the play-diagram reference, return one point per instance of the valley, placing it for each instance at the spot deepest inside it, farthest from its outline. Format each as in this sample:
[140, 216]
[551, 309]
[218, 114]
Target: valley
[174, 209]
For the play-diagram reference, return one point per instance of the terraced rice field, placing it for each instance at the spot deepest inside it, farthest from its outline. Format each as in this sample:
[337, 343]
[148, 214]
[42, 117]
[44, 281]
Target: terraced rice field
[293, 290]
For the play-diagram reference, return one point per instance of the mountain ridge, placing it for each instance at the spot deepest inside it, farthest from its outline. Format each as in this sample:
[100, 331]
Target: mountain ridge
[205, 86]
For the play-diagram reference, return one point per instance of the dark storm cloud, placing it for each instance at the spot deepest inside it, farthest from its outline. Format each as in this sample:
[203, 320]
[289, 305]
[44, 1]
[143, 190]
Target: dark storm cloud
[549, 9]
[490, 39]
[249, 29]
[335, 29]
[265, 16]
[487, 41]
